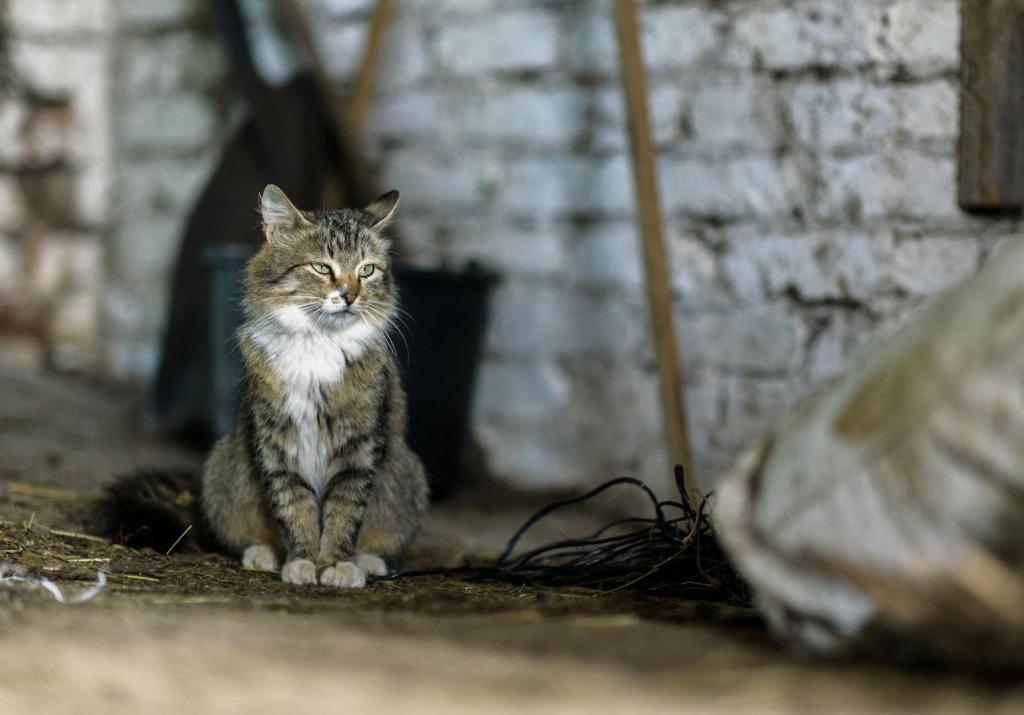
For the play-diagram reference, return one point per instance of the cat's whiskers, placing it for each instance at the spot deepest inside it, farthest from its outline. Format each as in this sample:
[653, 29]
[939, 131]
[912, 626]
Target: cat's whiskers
[387, 321]
[393, 320]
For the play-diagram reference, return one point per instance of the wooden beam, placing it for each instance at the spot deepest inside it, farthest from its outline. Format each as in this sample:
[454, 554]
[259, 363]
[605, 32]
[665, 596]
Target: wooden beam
[652, 237]
[991, 176]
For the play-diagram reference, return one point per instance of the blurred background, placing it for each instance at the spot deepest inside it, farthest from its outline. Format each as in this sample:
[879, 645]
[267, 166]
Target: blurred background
[807, 159]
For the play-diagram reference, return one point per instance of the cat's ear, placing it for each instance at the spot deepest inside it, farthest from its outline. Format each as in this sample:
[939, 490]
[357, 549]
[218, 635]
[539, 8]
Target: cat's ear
[280, 217]
[381, 209]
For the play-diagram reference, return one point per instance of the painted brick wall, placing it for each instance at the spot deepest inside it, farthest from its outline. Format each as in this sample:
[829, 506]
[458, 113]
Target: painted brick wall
[807, 158]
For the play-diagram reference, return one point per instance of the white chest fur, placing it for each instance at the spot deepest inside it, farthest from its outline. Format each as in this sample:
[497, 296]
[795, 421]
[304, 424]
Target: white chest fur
[306, 361]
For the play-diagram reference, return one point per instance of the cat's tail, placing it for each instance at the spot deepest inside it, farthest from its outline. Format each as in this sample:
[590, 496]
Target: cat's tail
[155, 509]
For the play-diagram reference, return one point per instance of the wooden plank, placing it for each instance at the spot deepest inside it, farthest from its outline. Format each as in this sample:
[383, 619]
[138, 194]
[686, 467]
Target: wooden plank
[659, 293]
[991, 176]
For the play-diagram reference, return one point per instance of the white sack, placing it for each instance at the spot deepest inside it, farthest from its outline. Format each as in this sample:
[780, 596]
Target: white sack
[886, 514]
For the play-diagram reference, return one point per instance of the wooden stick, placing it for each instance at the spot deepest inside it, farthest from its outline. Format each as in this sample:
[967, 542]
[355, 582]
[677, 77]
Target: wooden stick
[346, 118]
[366, 76]
[659, 292]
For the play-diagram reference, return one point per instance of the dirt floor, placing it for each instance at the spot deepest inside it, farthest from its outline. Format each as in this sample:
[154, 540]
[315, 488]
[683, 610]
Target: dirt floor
[186, 633]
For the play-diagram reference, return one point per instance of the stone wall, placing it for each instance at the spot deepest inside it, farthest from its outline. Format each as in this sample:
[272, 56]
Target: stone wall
[807, 158]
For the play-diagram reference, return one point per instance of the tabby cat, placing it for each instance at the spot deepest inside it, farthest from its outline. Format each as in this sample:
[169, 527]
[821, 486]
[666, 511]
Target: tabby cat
[316, 478]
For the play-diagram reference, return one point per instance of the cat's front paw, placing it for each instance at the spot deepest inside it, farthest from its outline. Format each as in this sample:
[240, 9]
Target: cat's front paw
[343, 574]
[372, 565]
[299, 572]
[259, 558]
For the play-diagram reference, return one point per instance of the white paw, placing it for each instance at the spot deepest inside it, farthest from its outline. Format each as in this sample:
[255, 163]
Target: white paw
[343, 574]
[372, 565]
[259, 558]
[300, 572]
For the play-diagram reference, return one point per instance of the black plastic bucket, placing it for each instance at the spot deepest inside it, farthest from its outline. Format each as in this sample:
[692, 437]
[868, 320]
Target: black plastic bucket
[445, 313]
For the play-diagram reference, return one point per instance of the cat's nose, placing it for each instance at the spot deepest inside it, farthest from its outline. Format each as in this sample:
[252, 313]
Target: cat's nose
[337, 296]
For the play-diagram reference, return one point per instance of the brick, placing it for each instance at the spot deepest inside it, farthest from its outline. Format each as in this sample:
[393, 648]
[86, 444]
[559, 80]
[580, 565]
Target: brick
[12, 270]
[404, 61]
[64, 261]
[752, 407]
[841, 336]
[853, 114]
[406, 113]
[508, 249]
[161, 184]
[157, 13]
[739, 187]
[34, 135]
[929, 110]
[61, 70]
[92, 191]
[613, 406]
[811, 33]
[893, 184]
[59, 17]
[525, 318]
[828, 265]
[342, 47]
[12, 205]
[132, 359]
[176, 121]
[436, 182]
[528, 459]
[508, 42]
[591, 47]
[520, 392]
[535, 115]
[144, 248]
[924, 34]
[694, 270]
[738, 113]
[679, 36]
[341, 8]
[601, 324]
[845, 113]
[758, 339]
[560, 185]
[172, 61]
[607, 257]
[928, 265]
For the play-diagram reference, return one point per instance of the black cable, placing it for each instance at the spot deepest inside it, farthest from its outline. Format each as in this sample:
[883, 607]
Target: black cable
[677, 557]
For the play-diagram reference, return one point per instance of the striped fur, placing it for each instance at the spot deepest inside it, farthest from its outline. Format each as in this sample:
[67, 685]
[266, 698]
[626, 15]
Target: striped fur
[317, 474]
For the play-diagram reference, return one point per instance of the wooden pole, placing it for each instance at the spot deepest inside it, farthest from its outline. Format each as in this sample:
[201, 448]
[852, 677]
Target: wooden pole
[659, 292]
[346, 118]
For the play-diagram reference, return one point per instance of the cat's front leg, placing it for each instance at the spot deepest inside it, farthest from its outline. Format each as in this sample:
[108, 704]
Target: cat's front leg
[294, 506]
[344, 501]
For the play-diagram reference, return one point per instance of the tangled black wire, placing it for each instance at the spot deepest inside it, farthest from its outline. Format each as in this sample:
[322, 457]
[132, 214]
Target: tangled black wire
[674, 552]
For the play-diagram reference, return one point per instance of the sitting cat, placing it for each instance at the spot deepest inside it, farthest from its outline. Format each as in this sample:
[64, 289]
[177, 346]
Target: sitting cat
[316, 478]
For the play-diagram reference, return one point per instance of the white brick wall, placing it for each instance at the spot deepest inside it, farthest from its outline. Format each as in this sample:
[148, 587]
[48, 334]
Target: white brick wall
[807, 164]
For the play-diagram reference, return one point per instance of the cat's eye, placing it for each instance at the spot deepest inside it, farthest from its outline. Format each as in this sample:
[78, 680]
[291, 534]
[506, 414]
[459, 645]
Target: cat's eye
[321, 268]
[367, 270]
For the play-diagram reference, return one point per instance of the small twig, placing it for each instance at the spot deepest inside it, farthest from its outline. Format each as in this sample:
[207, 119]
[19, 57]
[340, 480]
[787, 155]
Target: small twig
[79, 535]
[134, 577]
[178, 540]
[38, 490]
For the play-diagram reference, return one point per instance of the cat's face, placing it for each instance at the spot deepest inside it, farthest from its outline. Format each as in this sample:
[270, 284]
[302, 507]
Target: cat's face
[322, 271]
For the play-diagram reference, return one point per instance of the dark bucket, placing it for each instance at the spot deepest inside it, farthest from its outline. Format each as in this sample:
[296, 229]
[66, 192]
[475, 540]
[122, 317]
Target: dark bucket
[444, 320]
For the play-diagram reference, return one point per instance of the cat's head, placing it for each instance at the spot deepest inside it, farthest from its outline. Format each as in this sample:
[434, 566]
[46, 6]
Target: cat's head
[322, 270]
